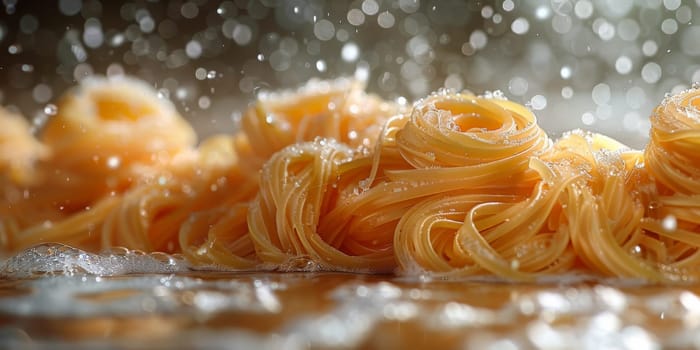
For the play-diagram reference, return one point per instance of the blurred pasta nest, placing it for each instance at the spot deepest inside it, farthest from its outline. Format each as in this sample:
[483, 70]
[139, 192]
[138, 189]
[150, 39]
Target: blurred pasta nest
[455, 185]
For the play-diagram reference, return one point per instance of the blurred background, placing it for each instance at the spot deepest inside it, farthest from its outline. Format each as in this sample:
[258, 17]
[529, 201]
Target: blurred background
[601, 65]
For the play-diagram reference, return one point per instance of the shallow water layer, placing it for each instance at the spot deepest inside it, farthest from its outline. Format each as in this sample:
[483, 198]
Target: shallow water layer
[56, 297]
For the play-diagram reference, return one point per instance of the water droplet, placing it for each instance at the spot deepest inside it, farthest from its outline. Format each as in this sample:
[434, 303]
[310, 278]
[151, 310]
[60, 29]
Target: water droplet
[242, 34]
[606, 31]
[370, 7]
[651, 72]
[478, 39]
[50, 109]
[193, 49]
[349, 53]
[538, 102]
[542, 12]
[518, 86]
[386, 20]
[113, 162]
[42, 93]
[362, 71]
[204, 102]
[200, 73]
[669, 26]
[14, 49]
[601, 94]
[497, 18]
[669, 223]
[321, 65]
[508, 5]
[189, 10]
[649, 48]
[565, 72]
[672, 5]
[356, 17]
[628, 29]
[588, 118]
[583, 9]
[567, 92]
[487, 11]
[520, 26]
[324, 30]
[623, 65]
[70, 7]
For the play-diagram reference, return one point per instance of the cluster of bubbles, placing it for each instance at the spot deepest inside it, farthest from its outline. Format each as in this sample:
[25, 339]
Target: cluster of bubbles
[598, 64]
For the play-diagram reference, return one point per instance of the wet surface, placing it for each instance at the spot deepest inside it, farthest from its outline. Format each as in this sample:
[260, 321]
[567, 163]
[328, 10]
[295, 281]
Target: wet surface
[76, 308]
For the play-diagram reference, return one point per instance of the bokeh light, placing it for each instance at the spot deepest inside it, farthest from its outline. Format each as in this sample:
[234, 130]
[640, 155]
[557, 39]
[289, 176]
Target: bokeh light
[212, 57]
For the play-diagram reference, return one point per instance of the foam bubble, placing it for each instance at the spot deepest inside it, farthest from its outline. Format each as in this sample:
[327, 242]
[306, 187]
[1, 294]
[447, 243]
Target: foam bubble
[53, 258]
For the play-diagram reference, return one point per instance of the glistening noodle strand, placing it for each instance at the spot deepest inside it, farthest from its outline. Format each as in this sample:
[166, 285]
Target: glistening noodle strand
[455, 185]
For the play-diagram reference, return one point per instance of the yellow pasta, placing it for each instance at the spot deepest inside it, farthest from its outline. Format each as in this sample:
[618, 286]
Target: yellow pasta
[297, 189]
[150, 216]
[19, 150]
[19, 154]
[106, 127]
[219, 237]
[475, 154]
[455, 185]
[672, 160]
[338, 109]
[106, 135]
